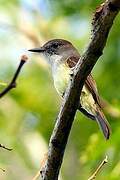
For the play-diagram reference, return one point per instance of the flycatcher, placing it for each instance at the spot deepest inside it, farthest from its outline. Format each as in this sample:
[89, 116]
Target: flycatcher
[62, 57]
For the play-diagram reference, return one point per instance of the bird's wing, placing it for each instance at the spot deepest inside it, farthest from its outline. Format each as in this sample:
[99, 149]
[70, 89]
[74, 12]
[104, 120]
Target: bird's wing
[89, 83]
[91, 86]
[72, 61]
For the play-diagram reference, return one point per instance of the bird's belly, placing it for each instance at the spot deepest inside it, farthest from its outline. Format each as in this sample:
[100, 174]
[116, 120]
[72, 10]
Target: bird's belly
[61, 79]
[87, 101]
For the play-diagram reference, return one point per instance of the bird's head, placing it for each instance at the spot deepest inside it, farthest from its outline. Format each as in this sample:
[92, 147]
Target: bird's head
[56, 50]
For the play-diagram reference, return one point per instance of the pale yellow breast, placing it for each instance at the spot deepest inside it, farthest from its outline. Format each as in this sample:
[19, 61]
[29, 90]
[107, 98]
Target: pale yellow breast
[61, 76]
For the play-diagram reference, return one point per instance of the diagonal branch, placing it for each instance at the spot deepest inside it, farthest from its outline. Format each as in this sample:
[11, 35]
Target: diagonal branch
[102, 23]
[12, 84]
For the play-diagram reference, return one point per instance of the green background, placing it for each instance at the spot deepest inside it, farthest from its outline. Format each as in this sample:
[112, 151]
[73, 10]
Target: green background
[28, 113]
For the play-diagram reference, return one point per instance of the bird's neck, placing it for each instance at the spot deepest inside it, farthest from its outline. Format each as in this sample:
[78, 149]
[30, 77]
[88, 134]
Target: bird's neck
[58, 62]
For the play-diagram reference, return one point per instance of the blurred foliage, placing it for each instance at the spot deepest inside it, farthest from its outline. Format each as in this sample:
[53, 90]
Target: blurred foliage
[27, 113]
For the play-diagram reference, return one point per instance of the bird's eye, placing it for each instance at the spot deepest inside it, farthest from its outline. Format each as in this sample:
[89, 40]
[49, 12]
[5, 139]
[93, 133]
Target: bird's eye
[55, 45]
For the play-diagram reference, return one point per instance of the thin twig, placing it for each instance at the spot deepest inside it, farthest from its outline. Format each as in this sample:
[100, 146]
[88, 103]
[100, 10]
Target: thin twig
[13, 81]
[12, 85]
[105, 160]
[4, 147]
[2, 169]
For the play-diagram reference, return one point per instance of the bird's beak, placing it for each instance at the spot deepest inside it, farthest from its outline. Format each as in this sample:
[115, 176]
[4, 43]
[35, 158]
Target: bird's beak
[39, 50]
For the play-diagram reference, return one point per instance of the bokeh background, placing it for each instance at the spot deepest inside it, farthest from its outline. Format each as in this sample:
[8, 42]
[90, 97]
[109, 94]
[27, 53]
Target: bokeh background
[28, 113]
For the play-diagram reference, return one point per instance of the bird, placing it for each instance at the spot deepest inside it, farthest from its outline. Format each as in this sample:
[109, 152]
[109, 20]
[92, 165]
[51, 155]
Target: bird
[62, 57]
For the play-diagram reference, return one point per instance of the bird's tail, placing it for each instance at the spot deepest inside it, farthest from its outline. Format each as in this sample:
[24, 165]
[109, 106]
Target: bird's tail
[103, 123]
[98, 115]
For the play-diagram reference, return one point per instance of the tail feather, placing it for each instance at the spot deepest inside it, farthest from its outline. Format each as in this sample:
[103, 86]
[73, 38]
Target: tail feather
[103, 123]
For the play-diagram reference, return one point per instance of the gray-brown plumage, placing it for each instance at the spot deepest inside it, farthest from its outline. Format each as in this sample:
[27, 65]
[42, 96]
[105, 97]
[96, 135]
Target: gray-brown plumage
[63, 56]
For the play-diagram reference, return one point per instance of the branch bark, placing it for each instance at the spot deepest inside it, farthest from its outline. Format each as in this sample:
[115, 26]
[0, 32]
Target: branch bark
[101, 25]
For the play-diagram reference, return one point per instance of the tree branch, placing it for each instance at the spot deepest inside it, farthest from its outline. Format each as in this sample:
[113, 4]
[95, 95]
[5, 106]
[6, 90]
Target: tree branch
[102, 23]
[12, 84]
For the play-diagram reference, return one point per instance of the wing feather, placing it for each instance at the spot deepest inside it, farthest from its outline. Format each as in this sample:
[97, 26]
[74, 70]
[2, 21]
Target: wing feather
[89, 83]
